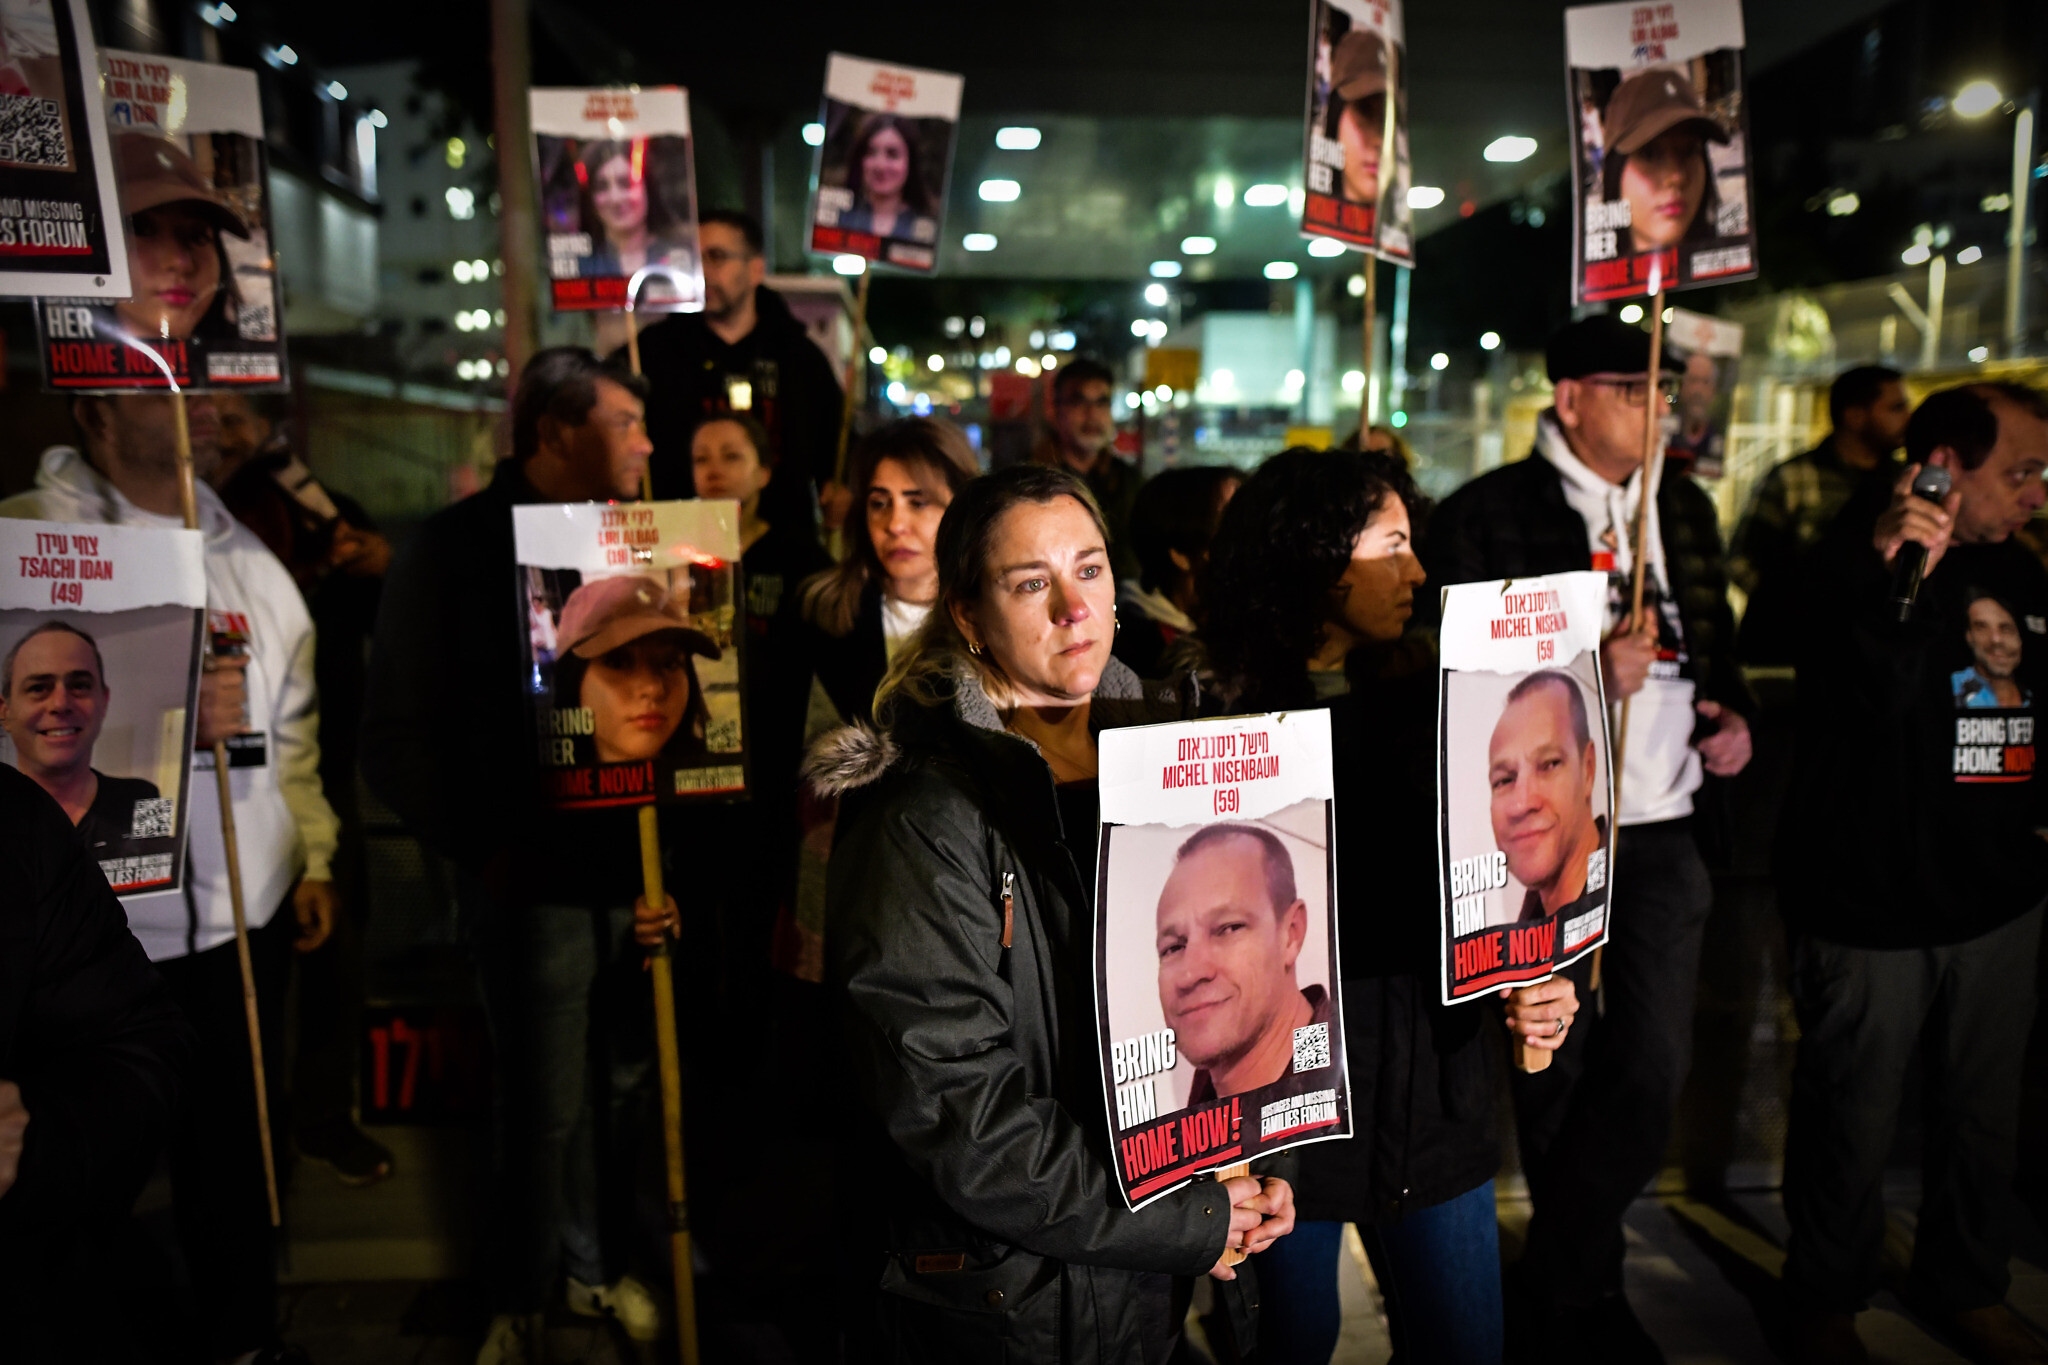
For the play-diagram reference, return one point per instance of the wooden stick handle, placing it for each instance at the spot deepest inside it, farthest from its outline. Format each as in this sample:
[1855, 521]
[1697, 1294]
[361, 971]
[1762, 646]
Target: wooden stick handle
[669, 1051]
[1234, 1255]
[188, 499]
[860, 327]
[1528, 1059]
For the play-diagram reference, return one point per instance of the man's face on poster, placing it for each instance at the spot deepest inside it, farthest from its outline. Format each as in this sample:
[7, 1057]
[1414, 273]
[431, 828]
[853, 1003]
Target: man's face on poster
[1994, 639]
[1696, 389]
[1541, 777]
[1226, 953]
[55, 703]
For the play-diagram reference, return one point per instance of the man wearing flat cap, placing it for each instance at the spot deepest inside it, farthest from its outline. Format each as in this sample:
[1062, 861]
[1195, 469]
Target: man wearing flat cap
[549, 894]
[1593, 1126]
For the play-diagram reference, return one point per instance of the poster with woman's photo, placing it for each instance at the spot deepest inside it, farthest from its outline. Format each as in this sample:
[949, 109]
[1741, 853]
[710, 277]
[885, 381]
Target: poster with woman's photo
[1709, 350]
[633, 613]
[1660, 148]
[1525, 778]
[1216, 968]
[101, 629]
[188, 156]
[884, 164]
[618, 195]
[58, 214]
[1357, 193]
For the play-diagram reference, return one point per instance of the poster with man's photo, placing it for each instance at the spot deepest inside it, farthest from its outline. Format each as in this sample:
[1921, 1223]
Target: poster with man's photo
[1994, 705]
[618, 195]
[1216, 967]
[633, 612]
[1525, 800]
[1709, 350]
[101, 631]
[188, 156]
[58, 215]
[885, 161]
[1662, 194]
[1357, 190]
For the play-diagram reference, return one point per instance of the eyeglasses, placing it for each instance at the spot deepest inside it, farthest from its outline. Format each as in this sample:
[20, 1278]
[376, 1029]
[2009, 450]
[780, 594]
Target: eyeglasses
[1634, 391]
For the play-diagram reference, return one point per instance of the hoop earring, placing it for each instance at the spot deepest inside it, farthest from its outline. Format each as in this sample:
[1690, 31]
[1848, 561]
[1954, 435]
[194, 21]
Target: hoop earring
[974, 648]
[1115, 622]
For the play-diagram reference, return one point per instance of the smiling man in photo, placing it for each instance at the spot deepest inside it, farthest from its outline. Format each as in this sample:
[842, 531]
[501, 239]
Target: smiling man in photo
[1540, 769]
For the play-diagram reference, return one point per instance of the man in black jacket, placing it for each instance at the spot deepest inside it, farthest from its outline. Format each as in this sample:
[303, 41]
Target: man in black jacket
[744, 353]
[447, 743]
[1593, 1126]
[91, 1052]
[1912, 873]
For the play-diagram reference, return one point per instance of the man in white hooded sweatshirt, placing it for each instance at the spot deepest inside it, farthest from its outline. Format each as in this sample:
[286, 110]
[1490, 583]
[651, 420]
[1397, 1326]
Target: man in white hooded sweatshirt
[257, 694]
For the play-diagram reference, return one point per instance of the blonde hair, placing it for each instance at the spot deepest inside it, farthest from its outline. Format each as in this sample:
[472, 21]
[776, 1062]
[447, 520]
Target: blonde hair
[830, 598]
[932, 664]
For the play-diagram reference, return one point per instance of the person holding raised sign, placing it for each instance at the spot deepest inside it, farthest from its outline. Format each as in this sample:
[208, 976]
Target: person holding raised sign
[1593, 1125]
[1311, 580]
[962, 894]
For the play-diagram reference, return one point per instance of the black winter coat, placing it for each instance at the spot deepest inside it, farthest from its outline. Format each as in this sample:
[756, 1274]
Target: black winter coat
[983, 1150]
[850, 666]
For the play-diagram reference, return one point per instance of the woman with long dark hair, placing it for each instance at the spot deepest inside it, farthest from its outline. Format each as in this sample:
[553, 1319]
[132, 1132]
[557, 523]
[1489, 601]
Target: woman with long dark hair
[1311, 583]
[627, 217]
[862, 610]
[890, 198]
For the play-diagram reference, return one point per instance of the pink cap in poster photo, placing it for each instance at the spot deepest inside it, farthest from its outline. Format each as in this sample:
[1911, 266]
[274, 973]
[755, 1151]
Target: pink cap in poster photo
[609, 612]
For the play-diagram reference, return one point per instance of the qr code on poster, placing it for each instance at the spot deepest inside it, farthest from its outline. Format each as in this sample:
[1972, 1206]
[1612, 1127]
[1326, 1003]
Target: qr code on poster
[152, 818]
[1311, 1048]
[32, 132]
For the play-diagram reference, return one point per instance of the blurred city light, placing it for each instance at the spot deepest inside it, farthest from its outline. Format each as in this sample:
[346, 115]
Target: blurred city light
[1916, 254]
[1632, 313]
[1977, 98]
[1489, 341]
[1439, 361]
[1166, 270]
[1424, 196]
[1155, 294]
[1198, 246]
[1510, 148]
[1325, 246]
[849, 265]
[1970, 255]
[1281, 270]
[978, 241]
[814, 134]
[1264, 196]
[876, 355]
[1017, 139]
[999, 191]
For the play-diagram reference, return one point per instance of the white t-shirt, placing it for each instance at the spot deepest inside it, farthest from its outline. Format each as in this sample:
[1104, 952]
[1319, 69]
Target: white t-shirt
[1660, 770]
[900, 621]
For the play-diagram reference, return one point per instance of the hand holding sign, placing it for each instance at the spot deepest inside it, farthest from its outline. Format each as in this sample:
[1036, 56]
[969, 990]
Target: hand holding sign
[223, 698]
[1626, 656]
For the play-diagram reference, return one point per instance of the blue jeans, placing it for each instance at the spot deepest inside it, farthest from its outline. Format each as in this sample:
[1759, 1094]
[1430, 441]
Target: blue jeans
[1439, 1272]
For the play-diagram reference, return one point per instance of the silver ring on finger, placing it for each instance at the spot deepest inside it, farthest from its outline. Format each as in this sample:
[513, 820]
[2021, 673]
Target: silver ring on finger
[1558, 1032]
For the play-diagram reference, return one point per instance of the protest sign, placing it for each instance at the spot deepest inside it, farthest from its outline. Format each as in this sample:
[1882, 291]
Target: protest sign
[1994, 709]
[1525, 795]
[1708, 350]
[1660, 148]
[59, 219]
[879, 190]
[1356, 193]
[100, 633]
[188, 155]
[633, 611]
[1216, 967]
[618, 193]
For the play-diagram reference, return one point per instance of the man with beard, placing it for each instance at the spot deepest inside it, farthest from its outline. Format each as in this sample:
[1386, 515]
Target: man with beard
[1541, 766]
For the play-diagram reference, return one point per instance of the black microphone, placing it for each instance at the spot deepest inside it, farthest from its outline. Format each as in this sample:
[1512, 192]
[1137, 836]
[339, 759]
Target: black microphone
[1910, 563]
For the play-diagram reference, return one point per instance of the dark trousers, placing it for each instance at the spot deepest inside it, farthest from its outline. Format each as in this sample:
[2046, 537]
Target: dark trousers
[572, 1031]
[216, 1161]
[330, 1003]
[1861, 1013]
[1594, 1125]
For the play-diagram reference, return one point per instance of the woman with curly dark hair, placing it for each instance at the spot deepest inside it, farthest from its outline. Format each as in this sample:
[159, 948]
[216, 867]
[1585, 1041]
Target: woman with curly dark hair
[1311, 583]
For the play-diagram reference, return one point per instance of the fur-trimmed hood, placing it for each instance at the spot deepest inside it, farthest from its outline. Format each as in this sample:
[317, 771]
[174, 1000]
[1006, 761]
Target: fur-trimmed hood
[854, 756]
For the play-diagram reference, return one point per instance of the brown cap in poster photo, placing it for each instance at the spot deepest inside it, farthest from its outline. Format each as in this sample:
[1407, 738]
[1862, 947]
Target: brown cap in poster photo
[602, 615]
[1653, 102]
[1359, 68]
[154, 171]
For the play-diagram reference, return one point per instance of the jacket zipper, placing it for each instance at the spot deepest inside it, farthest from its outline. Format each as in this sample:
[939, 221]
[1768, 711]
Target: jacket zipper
[1009, 883]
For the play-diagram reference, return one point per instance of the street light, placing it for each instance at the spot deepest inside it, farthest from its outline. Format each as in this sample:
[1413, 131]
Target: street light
[1975, 99]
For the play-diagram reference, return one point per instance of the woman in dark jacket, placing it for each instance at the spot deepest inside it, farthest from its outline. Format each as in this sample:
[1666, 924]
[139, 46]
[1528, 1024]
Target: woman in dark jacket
[1312, 581]
[961, 941]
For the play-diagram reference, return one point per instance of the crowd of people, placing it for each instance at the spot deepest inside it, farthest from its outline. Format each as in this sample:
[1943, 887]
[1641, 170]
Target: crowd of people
[889, 944]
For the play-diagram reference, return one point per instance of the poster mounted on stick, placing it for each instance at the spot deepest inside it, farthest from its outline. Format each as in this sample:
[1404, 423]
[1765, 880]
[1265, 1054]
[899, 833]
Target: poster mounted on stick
[100, 635]
[1357, 190]
[1525, 800]
[1661, 185]
[618, 193]
[1708, 351]
[633, 611]
[885, 162]
[1216, 967]
[189, 158]
[59, 220]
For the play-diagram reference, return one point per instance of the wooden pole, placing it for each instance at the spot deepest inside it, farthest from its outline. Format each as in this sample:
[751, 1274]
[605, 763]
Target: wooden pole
[633, 356]
[1372, 270]
[188, 500]
[671, 1099]
[518, 217]
[1234, 1255]
[853, 365]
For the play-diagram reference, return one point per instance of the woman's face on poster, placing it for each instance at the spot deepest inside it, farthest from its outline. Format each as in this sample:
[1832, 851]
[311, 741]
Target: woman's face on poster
[174, 259]
[1361, 129]
[620, 197]
[885, 165]
[636, 695]
[1664, 182]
